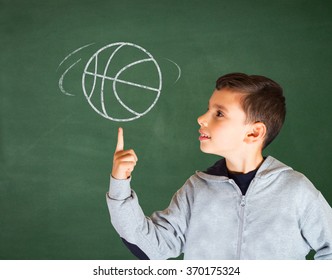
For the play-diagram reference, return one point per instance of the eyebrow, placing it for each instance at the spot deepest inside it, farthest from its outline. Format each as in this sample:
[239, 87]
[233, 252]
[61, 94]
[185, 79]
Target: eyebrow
[218, 106]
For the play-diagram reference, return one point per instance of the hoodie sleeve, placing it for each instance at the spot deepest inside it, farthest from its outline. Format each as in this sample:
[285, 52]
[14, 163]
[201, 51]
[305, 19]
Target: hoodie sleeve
[160, 236]
[317, 228]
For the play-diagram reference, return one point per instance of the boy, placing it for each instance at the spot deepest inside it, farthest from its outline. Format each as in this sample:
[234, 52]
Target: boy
[245, 206]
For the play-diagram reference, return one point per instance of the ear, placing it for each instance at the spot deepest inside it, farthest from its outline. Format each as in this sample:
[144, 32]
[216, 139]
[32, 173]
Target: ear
[256, 133]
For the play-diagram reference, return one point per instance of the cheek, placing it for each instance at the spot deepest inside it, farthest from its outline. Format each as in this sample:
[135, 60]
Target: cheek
[228, 133]
[221, 129]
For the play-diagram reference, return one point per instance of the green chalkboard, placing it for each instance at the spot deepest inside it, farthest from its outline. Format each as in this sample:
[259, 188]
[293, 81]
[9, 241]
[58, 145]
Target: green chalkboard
[62, 99]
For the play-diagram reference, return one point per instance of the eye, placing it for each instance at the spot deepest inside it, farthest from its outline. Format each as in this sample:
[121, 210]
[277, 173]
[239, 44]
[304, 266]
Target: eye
[220, 114]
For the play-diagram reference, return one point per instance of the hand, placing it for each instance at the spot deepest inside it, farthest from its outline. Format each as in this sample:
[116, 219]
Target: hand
[123, 161]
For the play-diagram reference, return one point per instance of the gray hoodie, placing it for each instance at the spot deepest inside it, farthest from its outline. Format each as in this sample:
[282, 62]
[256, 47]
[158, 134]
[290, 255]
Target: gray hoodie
[282, 216]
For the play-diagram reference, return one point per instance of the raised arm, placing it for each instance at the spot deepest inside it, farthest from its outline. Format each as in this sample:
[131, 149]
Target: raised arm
[160, 236]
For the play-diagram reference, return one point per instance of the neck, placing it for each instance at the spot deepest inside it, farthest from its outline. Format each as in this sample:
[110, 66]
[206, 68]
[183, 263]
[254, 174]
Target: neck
[245, 164]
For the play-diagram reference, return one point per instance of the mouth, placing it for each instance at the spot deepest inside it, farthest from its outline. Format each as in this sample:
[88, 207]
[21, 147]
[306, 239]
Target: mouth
[203, 136]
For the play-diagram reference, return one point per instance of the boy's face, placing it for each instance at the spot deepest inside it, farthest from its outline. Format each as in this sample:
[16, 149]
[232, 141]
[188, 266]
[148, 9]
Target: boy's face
[223, 127]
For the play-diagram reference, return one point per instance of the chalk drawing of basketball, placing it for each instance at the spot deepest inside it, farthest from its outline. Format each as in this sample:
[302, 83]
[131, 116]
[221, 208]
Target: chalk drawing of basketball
[113, 75]
[121, 81]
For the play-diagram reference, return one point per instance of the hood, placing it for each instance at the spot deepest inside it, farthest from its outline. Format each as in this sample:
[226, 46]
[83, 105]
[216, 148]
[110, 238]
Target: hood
[270, 167]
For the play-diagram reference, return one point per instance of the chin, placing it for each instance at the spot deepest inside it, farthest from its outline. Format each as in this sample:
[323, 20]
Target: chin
[206, 150]
[210, 151]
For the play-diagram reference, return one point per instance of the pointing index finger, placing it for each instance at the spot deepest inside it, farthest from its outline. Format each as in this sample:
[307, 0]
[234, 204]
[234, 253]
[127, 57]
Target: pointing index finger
[120, 143]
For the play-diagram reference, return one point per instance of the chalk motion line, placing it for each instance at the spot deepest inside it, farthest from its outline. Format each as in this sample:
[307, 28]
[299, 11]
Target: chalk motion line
[69, 68]
[177, 66]
[63, 76]
[75, 51]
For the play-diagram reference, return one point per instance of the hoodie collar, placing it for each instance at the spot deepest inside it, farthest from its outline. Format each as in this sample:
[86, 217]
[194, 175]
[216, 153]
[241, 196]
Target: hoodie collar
[218, 172]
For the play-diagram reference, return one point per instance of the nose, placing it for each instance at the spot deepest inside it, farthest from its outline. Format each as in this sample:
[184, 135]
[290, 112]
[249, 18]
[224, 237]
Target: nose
[202, 120]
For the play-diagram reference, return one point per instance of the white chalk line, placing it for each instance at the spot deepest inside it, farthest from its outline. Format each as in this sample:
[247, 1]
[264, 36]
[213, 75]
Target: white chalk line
[95, 78]
[116, 77]
[103, 80]
[121, 81]
[75, 51]
[63, 76]
[179, 69]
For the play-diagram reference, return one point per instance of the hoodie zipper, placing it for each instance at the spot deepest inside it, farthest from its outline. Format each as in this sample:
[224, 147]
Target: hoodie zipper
[242, 209]
[240, 234]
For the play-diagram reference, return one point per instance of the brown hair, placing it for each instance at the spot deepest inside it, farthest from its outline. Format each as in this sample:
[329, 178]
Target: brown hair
[263, 100]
